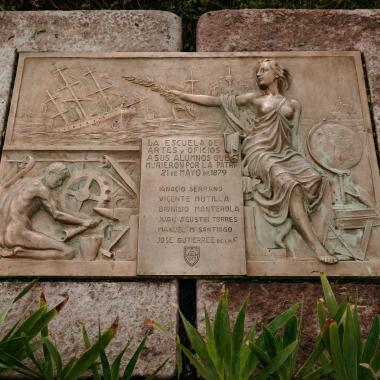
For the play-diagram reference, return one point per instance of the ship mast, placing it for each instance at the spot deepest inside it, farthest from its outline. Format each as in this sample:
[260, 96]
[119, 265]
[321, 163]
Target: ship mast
[61, 112]
[69, 87]
[192, 81]
[99, 89]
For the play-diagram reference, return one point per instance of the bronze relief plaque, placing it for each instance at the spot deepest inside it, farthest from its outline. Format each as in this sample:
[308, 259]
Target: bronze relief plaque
[189, 164]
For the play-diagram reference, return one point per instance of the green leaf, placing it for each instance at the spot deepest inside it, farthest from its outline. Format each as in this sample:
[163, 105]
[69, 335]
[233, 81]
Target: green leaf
[291, 334]
[11, 331]
[372, 342]
[48, 365]
[237, 341]
[106, 367]
[269, 343]
[179, 357]
[55, 355]
[340, 315]
[350, 349]
[368, 372]
[222, 334]
[25, 290]
[88, 357]
[276, 363]
[280, 321]
[210, 340]
[336, 353]
[248, 360]
[198, 344]
[115, 367]
[330, 299]
[87, 345]
[67, 368]
[375, 362]
[17, 365]
[30, 352]
[357, 329]
[260, 353]
[132, 362]
[195, 362]
[153, 375]
[312, 359]
[320, 373]
[4, 312]
[27, 325]
[45, 318]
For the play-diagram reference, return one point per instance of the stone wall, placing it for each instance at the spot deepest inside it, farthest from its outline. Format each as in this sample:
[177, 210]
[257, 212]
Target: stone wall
[287, 30]
[93, 301]
[299, 30]
[246, 30]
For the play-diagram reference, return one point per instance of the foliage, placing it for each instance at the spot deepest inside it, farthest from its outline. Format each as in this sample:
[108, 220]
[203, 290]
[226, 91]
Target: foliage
[188, 10]
[340, 353]
[30, 340]
[45, 359]
[113, 371]
[18, 341]
[352, 357]
[226, 353]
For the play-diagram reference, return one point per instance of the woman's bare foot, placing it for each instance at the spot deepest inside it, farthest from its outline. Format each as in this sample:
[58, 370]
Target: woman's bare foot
[325, 257]
[328, 259]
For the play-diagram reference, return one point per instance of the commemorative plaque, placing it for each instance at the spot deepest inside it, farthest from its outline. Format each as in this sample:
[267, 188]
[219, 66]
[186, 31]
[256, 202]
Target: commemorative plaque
[189, 164]
[191, 218]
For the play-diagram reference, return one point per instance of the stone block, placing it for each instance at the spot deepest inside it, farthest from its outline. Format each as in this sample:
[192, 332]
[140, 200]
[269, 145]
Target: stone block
[296, 30]
[268, 300]
[101, 302]
[94, 31]
[81, 31]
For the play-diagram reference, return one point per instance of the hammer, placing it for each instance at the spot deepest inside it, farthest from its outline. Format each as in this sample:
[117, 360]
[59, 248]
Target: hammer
[107, 252]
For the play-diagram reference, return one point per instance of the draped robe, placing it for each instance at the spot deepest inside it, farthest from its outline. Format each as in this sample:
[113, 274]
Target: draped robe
[271, 167]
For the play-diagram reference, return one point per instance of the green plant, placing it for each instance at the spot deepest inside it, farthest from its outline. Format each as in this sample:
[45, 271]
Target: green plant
[229, 354]
[340, 353]
[112, 371]
[351, 356]
[46, 361]
[18, 342]
[288, 340]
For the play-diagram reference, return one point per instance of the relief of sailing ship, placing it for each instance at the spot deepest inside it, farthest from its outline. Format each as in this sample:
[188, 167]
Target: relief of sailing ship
[114, 116]
[85, 103]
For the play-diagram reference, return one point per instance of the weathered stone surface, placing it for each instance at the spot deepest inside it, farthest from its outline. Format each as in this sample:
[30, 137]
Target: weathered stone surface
[162, 210]
[94, 302]
[271, 30]
[82, 31]
[268, 300]
[94, 31]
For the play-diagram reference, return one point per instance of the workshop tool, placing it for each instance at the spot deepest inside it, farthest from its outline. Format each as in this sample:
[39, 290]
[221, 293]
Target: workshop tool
[107, 252]
[118, 213]
[128, 181]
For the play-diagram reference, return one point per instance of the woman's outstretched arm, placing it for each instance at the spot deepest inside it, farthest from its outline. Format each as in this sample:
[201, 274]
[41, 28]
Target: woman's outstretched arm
[202, 100]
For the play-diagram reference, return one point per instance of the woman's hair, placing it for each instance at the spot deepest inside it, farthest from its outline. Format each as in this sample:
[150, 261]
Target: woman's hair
[283, 75]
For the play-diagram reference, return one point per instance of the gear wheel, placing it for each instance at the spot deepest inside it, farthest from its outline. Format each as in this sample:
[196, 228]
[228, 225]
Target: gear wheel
[85, 190]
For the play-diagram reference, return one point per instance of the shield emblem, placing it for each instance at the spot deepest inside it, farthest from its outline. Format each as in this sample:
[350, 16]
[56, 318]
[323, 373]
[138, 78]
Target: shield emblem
[191, 255]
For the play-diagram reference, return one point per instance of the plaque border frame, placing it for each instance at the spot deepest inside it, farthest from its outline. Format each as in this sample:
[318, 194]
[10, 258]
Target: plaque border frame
[255, 268]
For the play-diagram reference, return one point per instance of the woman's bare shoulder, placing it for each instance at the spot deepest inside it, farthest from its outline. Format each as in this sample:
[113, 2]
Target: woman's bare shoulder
[294, 103]
[248, 97]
